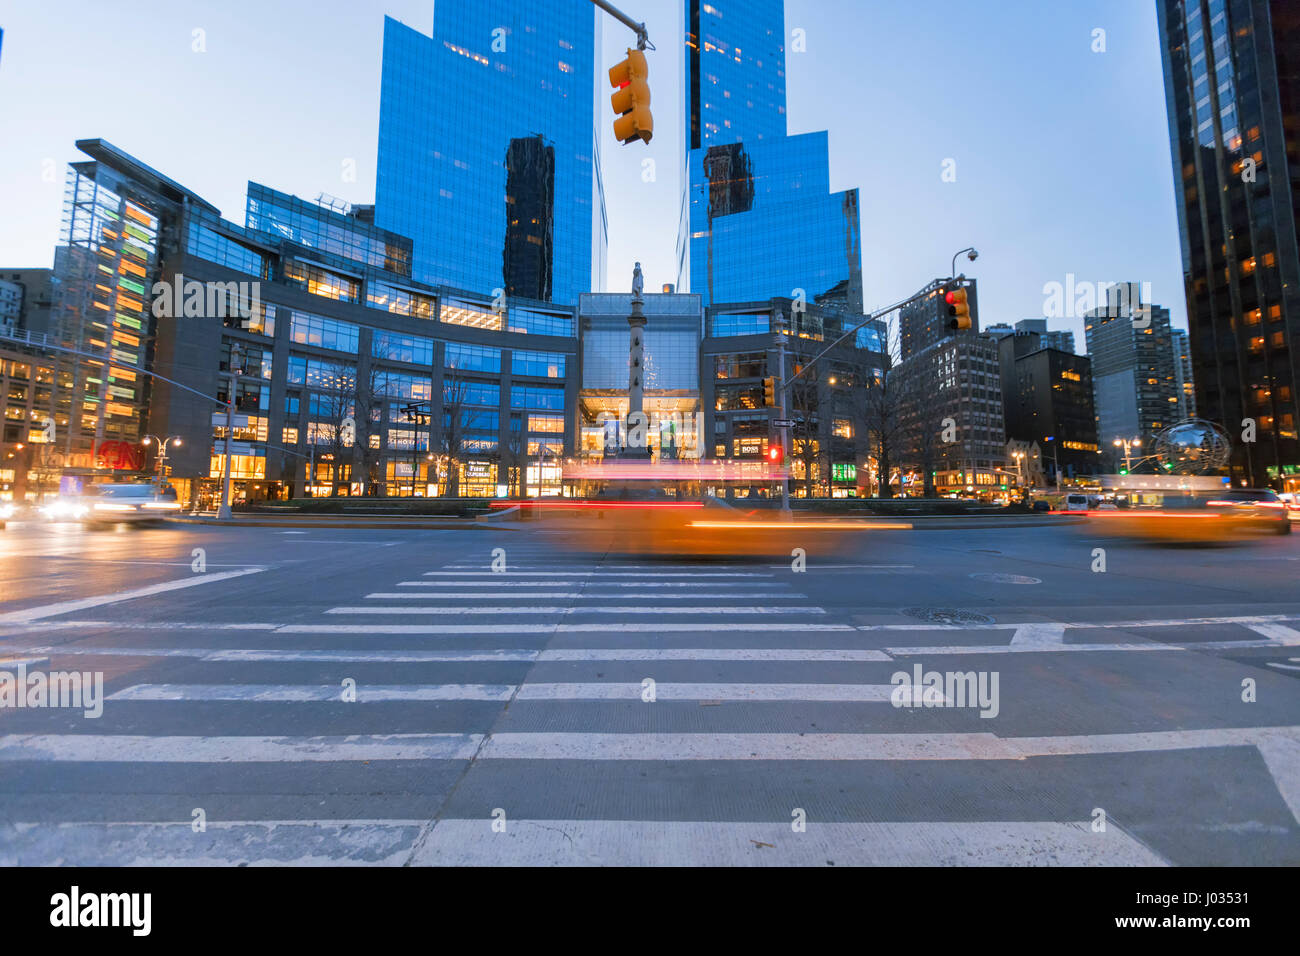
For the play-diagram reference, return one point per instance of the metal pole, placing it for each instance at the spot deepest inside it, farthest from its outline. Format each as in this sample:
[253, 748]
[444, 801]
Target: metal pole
[223, 510]
[866, 319]
[642, 38]
[785, 429]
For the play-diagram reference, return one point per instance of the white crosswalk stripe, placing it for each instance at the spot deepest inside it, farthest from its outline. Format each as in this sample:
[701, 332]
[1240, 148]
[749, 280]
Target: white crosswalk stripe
[561, 668]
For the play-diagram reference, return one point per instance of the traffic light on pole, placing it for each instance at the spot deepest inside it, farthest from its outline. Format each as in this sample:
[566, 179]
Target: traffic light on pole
[958, 310]
[769, 391]
[774, 454]
[631, 99]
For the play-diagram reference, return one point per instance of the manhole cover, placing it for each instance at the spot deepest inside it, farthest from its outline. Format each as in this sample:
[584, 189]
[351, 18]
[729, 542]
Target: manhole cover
[1005, 578]
[946, 615]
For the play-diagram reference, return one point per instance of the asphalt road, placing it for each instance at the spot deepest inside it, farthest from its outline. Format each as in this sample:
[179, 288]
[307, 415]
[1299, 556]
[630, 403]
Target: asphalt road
[352, 696]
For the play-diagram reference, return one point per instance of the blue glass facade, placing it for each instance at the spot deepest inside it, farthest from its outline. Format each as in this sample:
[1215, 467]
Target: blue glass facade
[758, 217]
[487, 151]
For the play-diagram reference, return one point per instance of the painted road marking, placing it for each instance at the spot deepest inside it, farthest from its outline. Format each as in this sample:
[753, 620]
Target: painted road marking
[708, 654]
[460, 842]
[1277, 633]
[237, 655]
[1041, 633]
[487, 630]
[1035, 647]
[572, 595]
[120, 748]
[673, 843]
[590, 585]
[304, 693]
[224, 843]
[664, 691]
[29, 614]
[942, 746]
[601, 574]
[637, 609]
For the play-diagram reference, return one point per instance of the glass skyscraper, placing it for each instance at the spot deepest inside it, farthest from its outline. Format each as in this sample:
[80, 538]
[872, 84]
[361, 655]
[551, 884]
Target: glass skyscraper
[1232, 85]
[488, 158]
[758, 218]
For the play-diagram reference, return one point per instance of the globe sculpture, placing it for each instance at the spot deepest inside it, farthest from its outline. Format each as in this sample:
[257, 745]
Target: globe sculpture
[1192, 447]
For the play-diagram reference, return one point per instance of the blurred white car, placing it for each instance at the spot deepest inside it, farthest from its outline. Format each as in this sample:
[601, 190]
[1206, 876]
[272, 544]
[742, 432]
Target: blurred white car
[64, 508]
[7, 510]
[113, 502]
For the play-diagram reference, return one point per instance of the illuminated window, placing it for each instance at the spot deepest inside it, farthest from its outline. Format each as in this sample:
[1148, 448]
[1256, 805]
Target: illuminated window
[457, 312]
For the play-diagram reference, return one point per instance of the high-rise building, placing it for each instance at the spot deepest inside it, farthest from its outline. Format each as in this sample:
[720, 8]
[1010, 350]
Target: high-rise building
[488, 158]
[1047, 399]
[1184, 378]
[924, 321]
[758, 218]
[1232, 88]
[1135, 385]
[118, 217]
[829, 402]
[950, 408]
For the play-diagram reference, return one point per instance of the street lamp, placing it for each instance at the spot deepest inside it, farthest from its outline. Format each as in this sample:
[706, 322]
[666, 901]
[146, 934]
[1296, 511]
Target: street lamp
[971, 254]
[1128, 445]
[223, 510]
[162, 450]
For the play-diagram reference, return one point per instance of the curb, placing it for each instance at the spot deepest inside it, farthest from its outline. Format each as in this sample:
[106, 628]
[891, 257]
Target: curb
[399, 524]
[918, 522]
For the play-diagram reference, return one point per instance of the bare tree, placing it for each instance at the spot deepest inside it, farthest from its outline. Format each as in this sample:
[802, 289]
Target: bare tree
[336, 407]
[369, 395]
[455, 423]
[804, 435]
[514, 454]
[923, 419]
[879, 416]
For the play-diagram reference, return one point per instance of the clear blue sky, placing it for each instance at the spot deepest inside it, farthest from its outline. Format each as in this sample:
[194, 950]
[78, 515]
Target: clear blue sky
[1062, 154]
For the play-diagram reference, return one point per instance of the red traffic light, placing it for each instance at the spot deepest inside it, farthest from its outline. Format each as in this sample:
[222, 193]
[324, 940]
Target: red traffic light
[632, 98]
[958, 309]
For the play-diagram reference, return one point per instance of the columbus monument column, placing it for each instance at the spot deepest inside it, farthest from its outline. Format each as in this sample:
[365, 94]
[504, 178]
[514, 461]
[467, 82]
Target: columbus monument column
[637, 447]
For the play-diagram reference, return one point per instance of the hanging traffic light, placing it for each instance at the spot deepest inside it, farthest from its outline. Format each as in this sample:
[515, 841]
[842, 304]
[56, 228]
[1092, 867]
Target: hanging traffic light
[958, 310]
[769, 391]
[774, 454]
[631, 100]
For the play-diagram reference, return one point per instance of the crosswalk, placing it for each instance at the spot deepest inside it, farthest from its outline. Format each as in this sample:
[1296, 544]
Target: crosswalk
[571, 713]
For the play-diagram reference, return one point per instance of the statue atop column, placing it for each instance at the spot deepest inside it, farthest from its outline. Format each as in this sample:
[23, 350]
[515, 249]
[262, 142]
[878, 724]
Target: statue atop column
[636, 448]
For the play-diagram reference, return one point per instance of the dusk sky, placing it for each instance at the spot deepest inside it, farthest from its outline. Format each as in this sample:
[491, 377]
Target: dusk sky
[1062, 153]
